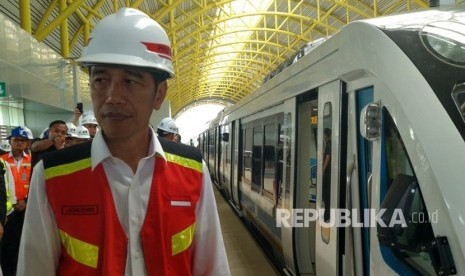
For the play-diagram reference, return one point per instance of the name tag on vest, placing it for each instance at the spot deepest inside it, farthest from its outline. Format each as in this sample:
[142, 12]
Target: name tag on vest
[180, 203]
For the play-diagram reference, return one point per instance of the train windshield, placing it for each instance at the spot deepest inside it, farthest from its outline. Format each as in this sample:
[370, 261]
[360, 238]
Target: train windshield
[445, 40]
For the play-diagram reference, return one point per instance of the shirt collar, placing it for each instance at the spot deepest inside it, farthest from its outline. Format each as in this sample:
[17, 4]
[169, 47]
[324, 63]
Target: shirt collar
[100, 151]
[10, 155]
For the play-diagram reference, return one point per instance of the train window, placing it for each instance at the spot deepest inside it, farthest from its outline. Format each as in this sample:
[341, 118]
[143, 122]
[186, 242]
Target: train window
[281, 162]
[211, 150]
[269, 161]
[257, 172]
[247, 157]
[446, 40]
[225, 154]
[403, 184]
[397, 159]
[458, 94]
[285, 138]
[327, 138]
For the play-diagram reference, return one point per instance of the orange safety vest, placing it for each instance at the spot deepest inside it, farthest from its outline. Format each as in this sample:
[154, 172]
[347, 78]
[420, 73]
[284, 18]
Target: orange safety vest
[92, 239]
[21, 177]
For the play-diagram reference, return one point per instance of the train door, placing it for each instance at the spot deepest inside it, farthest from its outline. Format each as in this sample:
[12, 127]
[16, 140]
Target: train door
[331, 139]
[304, 237]
[358, 171]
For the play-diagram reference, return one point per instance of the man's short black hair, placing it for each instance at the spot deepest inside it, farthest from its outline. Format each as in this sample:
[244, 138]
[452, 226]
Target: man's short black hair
[56, 122]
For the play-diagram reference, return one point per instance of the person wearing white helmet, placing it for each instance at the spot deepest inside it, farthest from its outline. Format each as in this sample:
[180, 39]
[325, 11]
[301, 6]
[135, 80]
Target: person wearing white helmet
[83, 135]
[149, 203]
[72, 134]
[5, 146]
[167, 129]
[89, 121]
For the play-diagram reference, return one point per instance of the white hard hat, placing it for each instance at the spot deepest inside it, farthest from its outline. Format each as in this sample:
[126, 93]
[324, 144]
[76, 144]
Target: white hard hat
[83, 132]
[44, 134]
[29, 133]
[5, 145]
[168, 125]
[88, 118]
[129, 37]
[72, 130]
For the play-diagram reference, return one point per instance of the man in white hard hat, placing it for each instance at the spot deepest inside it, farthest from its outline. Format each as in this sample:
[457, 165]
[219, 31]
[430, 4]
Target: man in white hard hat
[83, 135]
[5, 146]
[167, 129]
[71, 138]
[125, 203]
[89, 121]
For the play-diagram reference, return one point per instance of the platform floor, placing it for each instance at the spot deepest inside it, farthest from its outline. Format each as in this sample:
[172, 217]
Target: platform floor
[245, 256]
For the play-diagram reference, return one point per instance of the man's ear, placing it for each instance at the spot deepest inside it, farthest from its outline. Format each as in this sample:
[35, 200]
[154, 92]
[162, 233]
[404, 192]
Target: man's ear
[160, 95]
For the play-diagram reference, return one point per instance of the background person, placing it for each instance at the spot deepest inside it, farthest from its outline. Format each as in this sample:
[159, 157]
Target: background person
[167, 129]
[150, 215]
[20, 164]
[72, 134]
[89, 121]
[54, 139]
[3, 204]
[5, 146]
[82, 135]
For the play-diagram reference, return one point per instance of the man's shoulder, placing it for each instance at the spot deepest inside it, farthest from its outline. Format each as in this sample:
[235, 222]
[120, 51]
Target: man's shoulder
[180, 149]
[5, 155]
[67, 155]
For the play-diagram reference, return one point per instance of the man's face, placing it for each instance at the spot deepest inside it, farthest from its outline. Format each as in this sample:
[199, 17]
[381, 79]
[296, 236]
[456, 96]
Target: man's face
[92, 128]
[123, 100]
[58, 130]
[18, 144]
[170, 136]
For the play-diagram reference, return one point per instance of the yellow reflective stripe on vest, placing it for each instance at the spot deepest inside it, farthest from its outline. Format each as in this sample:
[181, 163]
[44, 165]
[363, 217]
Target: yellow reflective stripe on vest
[9, 204]
[183, 161]
[68, 168]
[182, 240]
[83, 252]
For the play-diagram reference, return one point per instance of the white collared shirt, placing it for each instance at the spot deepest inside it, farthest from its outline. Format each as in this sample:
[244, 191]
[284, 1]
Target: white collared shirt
[40, 244]
[18, 161]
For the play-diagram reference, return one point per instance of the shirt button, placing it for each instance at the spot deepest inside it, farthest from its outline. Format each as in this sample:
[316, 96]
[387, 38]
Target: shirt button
[137, 255]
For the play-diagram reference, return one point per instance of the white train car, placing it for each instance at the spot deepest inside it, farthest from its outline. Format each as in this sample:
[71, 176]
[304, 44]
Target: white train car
[370, 127]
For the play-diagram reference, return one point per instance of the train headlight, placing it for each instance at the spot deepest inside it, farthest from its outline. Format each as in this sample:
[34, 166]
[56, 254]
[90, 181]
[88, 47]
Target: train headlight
[370, 123]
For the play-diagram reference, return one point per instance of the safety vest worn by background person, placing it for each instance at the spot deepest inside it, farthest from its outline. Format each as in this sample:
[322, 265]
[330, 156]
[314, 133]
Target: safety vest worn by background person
[93, 241]
[22, 176]
[9, 200]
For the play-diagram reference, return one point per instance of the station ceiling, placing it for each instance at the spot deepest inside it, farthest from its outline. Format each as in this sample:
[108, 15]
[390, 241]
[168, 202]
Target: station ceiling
[222, 49]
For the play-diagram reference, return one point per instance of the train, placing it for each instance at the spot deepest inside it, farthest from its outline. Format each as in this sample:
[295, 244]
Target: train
[350, 160]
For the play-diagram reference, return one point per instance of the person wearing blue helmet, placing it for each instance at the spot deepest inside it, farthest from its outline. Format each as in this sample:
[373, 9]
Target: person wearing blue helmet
[20, 164]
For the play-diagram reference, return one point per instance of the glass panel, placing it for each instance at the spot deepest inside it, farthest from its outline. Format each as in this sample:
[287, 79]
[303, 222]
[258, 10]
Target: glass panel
[458, 94]
[286, 133]
[269, 159]
[257, 171]
[279, 176]
[419, 231]
[327, 135]
[247, 155]
[446, 40]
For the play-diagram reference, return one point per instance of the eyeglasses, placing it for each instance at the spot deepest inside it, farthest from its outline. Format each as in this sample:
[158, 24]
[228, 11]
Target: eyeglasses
[19, 140]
